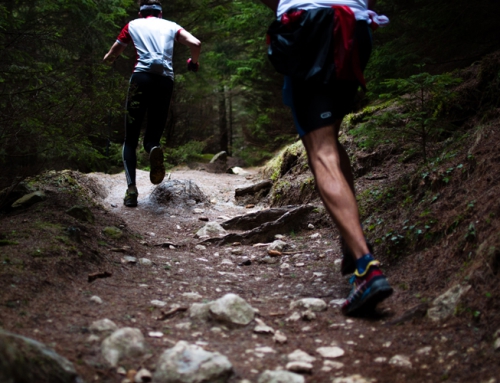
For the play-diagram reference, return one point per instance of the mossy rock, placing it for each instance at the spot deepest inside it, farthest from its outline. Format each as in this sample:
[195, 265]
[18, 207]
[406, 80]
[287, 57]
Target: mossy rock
[29, 199]
[81, 213]
[112, 232]
[25, 360]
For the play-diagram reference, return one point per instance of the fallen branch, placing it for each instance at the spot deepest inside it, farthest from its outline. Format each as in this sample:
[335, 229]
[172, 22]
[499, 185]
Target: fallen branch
[94, 276]
[171, 312]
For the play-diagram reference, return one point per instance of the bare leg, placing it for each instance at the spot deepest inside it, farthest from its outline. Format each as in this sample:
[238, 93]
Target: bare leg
[331, 168]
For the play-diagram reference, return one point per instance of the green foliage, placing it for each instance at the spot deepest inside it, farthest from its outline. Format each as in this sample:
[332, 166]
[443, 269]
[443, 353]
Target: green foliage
[54, 93]
[184, 153]
[417, 112]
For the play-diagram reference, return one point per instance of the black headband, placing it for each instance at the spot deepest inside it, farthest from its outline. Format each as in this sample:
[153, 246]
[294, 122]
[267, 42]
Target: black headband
[153, 7]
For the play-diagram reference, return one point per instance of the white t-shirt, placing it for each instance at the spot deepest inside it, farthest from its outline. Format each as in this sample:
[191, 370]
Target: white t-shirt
[359, 7]
[153, 40]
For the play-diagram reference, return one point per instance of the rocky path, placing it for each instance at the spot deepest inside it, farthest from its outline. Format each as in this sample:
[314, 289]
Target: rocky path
[297, 325]
[177, 308]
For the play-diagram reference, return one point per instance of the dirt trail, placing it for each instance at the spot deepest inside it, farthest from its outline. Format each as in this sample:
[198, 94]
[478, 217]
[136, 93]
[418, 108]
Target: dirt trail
[386, 348]
[370, 344]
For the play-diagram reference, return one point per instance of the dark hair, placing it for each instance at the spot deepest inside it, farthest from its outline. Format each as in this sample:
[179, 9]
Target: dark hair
[149, 12]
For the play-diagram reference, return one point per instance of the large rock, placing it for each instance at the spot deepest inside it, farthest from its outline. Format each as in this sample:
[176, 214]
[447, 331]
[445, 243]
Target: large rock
[232, 309]
[29, 199]
[211, 229]
[103, 325]
[178, 194]
[280, 376]
[26, 360]
[445, 305]
[81, 213]
[313, 304]
[123, 343]
[187, 363]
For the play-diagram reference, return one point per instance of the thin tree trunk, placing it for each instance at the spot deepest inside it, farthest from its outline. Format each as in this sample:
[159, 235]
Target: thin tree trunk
[230, 96]
[223, 137]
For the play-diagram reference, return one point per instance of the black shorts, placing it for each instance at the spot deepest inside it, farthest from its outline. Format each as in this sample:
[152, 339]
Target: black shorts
[316, 105]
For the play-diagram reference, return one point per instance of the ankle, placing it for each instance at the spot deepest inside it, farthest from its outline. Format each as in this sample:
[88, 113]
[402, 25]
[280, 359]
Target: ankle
[363, 263]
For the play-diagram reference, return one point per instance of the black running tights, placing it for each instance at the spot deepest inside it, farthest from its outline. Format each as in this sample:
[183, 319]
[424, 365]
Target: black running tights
[151, 94]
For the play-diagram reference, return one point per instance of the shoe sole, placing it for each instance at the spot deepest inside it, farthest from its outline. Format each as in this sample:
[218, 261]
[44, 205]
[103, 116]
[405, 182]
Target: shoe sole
[379, 291]
[130, 204]
[157, 172]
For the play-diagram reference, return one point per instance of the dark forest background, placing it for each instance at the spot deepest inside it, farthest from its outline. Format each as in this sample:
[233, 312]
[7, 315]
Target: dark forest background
[60, 107]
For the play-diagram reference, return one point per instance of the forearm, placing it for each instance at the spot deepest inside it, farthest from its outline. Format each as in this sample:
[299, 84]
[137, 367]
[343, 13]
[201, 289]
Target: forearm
[115, 51]
[192, 43]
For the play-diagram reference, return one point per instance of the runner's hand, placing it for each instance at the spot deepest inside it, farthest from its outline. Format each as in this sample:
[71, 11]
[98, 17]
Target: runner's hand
[192, 66]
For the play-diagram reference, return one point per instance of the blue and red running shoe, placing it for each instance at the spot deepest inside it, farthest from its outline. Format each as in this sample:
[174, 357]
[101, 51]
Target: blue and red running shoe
[369, 289]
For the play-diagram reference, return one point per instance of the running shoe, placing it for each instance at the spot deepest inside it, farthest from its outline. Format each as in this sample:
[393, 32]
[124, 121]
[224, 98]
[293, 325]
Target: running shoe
[156, 165]
[369, 289]
[131, 195]
[348, 265]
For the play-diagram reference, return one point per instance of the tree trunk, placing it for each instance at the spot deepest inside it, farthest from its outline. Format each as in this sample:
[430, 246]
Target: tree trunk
[223, 137]
[230, 152]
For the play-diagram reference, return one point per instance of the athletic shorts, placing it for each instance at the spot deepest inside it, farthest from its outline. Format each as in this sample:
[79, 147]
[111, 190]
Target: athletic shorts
[317, 105]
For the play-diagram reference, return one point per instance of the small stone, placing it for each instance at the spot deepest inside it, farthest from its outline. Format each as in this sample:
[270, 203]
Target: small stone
[121, 371]
[300, 356]
[269, 260]
[330, 352]
[200, 247]
[424, 350]
[300, 264]
[103, 325]
[313, 304]
[183, 326]
[145, 262]
[277, 245]
[280, 337]
[262, 328]
[238, 251]
[380, 359]
[155, 334]
[315, 236]
[496, 345]
[400, 361]
[310, 226]
[285, 266]
[300, 367]
[333, 364]
[198, 211]
[96, 299]
[143, 375]
[280, 376]
[353, 379]
[308, 315]
[129, 259]
[226, 262]
[337, 302]
[293, 318]
[93, 338]
[125, 342]
[158, 303]
[265, 350]
[193, 296]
